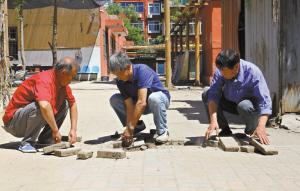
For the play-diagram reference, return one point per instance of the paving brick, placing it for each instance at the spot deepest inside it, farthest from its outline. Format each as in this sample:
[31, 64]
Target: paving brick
[66, 138]
[176, 142]
[66, 152]
[212, 143]
[51, 148]
[229, 144]
[112, 153]
[247, 148]
[144, 147]
[264, 149]
[84, 154]
[117, 144]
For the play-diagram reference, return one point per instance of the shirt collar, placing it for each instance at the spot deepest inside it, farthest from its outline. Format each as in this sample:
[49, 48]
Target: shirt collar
[240, 76]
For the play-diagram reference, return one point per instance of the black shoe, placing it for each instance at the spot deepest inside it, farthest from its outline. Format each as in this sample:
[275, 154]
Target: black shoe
[139, 127]
[225, 132]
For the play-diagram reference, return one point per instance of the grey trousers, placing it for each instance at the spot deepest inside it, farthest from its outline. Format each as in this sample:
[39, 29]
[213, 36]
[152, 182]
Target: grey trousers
[244, 109]
[27, 123]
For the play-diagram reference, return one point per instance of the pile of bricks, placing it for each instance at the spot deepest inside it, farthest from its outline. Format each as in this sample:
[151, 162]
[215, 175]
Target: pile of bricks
[247, 144]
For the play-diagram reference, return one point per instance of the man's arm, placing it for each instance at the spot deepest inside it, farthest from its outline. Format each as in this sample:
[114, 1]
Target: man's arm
[74, 118]
[138, 108]
[48, 115]
[212, 109]
[260, 130]
[129, 110]
[134, 113]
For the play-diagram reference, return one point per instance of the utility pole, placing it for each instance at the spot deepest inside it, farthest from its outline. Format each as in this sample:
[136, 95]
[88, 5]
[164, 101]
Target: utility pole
[167, 43]
[197, 44]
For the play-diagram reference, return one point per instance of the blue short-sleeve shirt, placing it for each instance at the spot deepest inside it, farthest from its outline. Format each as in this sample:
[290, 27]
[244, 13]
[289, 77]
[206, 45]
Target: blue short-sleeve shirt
[143, 77]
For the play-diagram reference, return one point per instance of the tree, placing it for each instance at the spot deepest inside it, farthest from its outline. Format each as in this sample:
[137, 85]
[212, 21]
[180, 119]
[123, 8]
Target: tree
[134, 33]
[19, 9]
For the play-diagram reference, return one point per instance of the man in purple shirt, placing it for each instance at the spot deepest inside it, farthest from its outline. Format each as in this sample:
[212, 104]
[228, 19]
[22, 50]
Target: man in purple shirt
[141, 92]
[238, 87]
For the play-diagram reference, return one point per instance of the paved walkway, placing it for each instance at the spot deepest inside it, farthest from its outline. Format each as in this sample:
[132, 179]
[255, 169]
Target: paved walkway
[182, 168]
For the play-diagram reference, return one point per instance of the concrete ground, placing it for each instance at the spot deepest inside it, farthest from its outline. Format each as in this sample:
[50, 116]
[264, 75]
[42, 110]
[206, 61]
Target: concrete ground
[167, 168]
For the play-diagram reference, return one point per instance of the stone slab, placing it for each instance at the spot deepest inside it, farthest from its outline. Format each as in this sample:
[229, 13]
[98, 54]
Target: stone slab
[66, 152]
[66, 138]
[264, 149]
[117, 144]
[51, 148]
[247, 148]
[84, 154]
[212, 143]
[111, 153]
[229, 144]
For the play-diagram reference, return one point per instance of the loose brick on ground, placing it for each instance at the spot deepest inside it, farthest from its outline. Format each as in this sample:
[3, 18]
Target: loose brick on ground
[229, 144]
[84, 154]
[264, 149]
[117, 144]
[111, 153]
[247, 148]
[51, 148]
[66, 152]
[66, 138]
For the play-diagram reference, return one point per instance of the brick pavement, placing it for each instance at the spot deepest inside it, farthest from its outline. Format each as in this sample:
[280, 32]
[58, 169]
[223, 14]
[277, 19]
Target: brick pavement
[182, 168]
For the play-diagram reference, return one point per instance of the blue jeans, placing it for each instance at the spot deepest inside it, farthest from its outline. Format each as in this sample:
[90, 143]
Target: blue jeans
[157, 103]
[245, 109]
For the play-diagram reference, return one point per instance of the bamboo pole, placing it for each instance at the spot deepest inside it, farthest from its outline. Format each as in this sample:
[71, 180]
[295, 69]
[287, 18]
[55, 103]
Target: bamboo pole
[167, 43]
[197, 47]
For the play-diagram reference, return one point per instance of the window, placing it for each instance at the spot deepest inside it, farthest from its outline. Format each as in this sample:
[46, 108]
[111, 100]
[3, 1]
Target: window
[154, 27]
[154, 9]
[13, 42]
[138, 24]
[139, 7]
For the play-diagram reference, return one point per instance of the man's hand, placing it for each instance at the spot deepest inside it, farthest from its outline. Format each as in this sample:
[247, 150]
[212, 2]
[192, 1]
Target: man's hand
[127, 137]
[56, 136]
[212, 126]
[260, 132]
[72, 137]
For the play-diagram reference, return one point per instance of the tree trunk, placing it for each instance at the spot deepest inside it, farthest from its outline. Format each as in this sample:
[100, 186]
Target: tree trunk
[54, 34]
[21, 16]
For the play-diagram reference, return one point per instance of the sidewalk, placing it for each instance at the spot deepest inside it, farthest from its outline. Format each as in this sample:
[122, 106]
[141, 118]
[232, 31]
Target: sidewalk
[167, 168]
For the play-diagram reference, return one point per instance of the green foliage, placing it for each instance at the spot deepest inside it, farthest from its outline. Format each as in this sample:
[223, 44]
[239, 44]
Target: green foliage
[159, 40]
[135, 34]
[175, 11]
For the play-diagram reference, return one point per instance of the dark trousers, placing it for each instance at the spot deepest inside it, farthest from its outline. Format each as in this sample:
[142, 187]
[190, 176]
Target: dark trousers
[245, 109]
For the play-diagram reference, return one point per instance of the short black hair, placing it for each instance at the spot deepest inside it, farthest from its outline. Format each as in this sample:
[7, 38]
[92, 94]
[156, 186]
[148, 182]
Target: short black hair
[227, 58]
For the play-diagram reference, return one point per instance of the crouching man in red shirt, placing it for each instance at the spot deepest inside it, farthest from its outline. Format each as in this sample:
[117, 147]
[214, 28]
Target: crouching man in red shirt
[42, 102]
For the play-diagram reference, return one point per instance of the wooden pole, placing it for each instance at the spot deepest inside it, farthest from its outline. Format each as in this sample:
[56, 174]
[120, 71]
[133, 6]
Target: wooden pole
[5, 32]
[187, 43]
[167, 43]
[54, 35]
[197, 46]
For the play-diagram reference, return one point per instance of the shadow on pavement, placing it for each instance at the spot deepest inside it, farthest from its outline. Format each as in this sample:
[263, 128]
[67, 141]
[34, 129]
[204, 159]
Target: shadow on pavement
[100, 140]
[195, 141]
[10, 145]
[196, 111]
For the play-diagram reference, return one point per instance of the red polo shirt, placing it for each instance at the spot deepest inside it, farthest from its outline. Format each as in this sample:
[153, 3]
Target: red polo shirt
[40, 87]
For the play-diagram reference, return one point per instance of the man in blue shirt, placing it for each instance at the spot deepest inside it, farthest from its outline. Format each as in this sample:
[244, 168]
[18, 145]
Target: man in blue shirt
[238, 87]
[141, 92]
